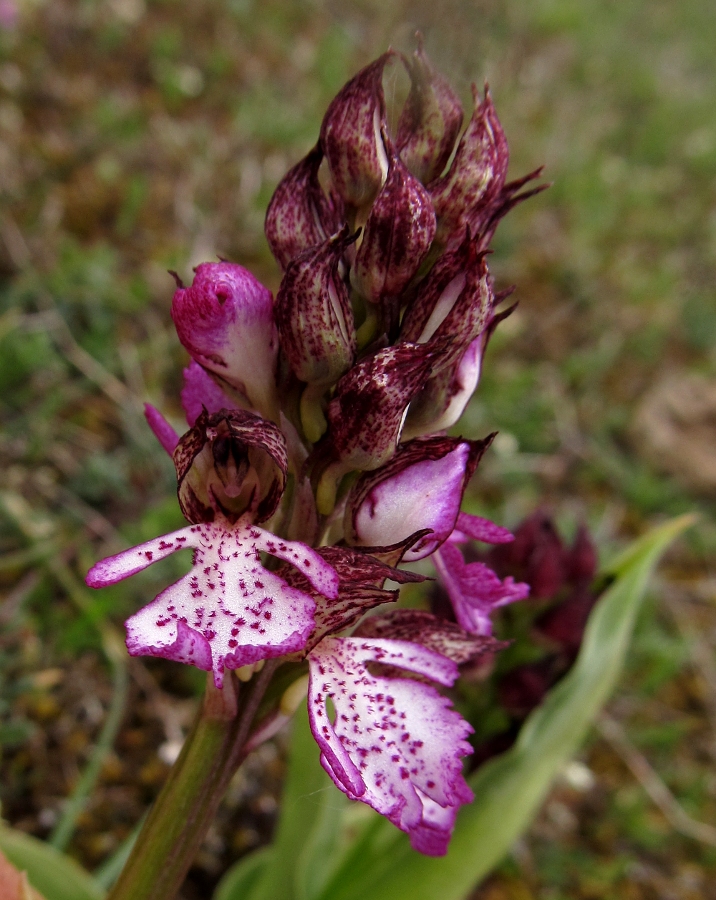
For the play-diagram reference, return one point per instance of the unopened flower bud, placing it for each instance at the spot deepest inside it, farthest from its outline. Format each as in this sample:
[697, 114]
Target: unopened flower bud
[397, 236]
[301, 214]
[430, 121]
[230, 463]
[477, 175]
[314, 316]
[351, 135]
[226, 322]
[367, 412]
[456, 302]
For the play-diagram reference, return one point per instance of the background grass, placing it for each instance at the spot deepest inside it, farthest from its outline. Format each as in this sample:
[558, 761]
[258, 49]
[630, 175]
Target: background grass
[140, 136]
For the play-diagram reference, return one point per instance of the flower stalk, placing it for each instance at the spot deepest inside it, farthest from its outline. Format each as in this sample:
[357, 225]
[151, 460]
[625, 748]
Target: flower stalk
[180, 817]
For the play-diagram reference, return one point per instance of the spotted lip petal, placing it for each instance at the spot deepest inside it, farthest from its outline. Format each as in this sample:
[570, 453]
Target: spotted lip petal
[474, 589]
[430, 121]
[252, 477]
[200, 392]
[421, 487]
[228, 611]
[361, 577]
[367, 412]
[397, 237]
[314, 315]
[225, 320]
[300, 214]
[394, 741]
[351, 135]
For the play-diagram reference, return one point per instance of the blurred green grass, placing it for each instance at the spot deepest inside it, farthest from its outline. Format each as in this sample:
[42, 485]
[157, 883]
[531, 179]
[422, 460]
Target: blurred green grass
[140, 136]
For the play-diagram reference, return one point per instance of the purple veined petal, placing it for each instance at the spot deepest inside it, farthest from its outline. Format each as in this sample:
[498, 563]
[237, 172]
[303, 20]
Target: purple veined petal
[431, 118]
[421, 487]
[228, 611]
[361, 577]
[351, 135]
[314, 315]
[163, 431]
[200, 392]
[420, 627]
[474, 589]
[475, 528]
[394, 741]
[226, 322]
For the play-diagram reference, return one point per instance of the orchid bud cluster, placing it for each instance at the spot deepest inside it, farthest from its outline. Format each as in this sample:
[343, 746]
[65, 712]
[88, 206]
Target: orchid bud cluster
[316, 459]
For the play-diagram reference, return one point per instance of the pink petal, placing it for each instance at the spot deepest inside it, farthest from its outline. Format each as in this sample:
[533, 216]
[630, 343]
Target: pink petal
[163, 431]
[474, 589]
[228, 611]
[201, 392]
[395, 742]
[225, 320]
[421, 487]
[476, 528]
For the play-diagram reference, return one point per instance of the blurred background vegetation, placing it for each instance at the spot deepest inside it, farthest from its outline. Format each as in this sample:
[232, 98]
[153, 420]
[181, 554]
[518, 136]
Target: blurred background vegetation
[138, 136]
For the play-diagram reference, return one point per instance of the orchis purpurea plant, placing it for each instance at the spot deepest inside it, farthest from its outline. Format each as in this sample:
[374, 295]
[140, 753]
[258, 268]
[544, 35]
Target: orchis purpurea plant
[316, 463]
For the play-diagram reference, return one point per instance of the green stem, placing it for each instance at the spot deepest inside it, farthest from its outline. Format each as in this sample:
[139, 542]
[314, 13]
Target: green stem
[181, 815]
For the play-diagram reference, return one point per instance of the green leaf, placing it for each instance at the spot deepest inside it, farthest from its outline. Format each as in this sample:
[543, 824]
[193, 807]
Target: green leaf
[241, 880]
[54, 875]
[309, 823]
[510, 788]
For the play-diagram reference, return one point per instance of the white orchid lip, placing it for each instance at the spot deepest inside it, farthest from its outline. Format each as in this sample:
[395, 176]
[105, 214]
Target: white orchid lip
[228, 611]
[394, 741]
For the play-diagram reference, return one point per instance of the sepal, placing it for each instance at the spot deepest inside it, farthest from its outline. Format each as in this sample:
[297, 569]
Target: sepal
[226, 322]
[366, 414]
[420, 487]
[397, 237]
[476, 176]
[419, 627]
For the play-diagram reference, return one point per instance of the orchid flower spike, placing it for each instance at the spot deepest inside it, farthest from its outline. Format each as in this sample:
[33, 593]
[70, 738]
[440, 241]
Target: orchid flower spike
[316, 461]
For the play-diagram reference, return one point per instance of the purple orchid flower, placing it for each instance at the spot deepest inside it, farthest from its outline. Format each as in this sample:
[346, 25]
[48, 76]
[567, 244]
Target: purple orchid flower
[228, 611]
